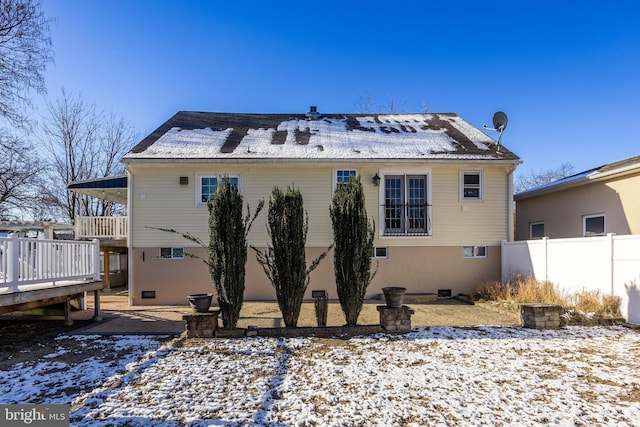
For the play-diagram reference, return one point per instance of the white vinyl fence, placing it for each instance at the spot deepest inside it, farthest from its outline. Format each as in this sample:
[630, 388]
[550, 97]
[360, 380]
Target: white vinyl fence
[27, 261]
[610, 264]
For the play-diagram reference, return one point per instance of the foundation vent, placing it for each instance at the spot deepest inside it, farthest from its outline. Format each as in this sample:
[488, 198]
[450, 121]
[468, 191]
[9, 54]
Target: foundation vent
[444, 293]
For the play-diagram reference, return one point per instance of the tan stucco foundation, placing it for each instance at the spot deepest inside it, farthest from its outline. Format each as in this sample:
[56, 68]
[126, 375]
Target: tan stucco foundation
[419, 269]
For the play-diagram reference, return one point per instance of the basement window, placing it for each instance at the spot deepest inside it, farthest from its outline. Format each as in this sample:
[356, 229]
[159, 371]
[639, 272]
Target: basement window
[171, 253]
[379, 252]
[474, 251]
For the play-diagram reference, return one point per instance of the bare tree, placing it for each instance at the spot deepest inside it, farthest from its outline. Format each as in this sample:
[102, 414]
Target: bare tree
[394, 105]
[19, 176]
[25, 50]
[83, 144]
[532, 179]
[365, 103]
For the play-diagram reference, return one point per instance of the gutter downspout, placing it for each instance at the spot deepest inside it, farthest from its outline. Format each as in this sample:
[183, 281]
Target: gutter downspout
[510, 207]
[510, 226]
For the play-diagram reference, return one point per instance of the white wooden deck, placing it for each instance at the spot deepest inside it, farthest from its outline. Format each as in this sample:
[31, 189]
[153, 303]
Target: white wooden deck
[101, 227]
[37, 272]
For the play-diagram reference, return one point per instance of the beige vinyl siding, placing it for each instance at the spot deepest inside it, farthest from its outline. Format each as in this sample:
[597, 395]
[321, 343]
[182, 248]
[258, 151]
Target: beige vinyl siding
[168, 204]
[463, 222]
[422, 264]
[158, 200]
[315, 185]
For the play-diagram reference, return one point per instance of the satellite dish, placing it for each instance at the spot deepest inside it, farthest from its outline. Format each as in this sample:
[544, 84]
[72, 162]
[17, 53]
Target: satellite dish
[500, 121]
[499, 125]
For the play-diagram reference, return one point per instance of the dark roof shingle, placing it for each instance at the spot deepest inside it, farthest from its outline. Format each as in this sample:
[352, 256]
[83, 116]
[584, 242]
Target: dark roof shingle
[375, 136]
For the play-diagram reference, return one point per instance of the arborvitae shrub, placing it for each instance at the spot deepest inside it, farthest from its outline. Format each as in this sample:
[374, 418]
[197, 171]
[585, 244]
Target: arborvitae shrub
[353, 235]
[287, 269]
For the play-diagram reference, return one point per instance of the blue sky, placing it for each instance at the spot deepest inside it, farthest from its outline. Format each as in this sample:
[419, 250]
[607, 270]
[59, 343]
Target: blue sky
[567, 73]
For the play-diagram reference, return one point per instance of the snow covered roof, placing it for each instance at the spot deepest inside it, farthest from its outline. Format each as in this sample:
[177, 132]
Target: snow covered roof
[625, 166]
[200, 135]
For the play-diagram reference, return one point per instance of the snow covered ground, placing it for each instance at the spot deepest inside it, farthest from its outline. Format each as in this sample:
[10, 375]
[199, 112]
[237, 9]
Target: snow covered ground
[436, 376]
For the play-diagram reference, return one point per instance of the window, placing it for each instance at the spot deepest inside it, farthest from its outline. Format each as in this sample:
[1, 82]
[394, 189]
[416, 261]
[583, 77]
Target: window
[207, 184]
[471, 185]
[405, 209]
[536, 230]
[171, 253]
[270, 253]
[593, 225]
[474, 251]
[344, 176]
[379, 252]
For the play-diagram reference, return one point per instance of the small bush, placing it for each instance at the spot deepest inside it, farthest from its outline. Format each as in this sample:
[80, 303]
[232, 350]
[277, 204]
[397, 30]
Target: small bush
[488, 290]
[595, 302]
[519, 290]
[529, 290]
[611, 305]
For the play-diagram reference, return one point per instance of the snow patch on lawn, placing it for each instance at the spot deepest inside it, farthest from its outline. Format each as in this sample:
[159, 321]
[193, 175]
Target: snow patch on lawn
[435, 376]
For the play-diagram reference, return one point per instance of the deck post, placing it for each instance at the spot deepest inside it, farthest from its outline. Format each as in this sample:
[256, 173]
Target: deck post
[106, 267]
[68, 321]
[96, 260]
[96, 306]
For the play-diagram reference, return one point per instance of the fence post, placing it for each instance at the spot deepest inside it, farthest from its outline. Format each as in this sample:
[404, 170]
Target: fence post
[13, 262]
[96, 260]
[546, 258]
[611, 261]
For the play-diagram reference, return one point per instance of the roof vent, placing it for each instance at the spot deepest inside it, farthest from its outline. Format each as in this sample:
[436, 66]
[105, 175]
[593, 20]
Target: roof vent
[313, 113]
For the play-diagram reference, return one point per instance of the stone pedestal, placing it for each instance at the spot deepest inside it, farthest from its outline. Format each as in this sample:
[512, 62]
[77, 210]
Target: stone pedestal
[395, 319]
[201, 325]
[540, 316]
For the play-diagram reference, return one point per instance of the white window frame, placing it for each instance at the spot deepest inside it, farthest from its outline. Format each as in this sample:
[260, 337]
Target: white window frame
[375, 254]
[584, 225]
[531, 225]
[381, 201]
[174, 253]
[335, 175]
[476, 251]
[480, 185]
[218, 176]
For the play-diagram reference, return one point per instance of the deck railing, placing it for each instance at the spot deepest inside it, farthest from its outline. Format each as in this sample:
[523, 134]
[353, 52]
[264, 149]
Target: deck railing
[27, 261]
[101, 227]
